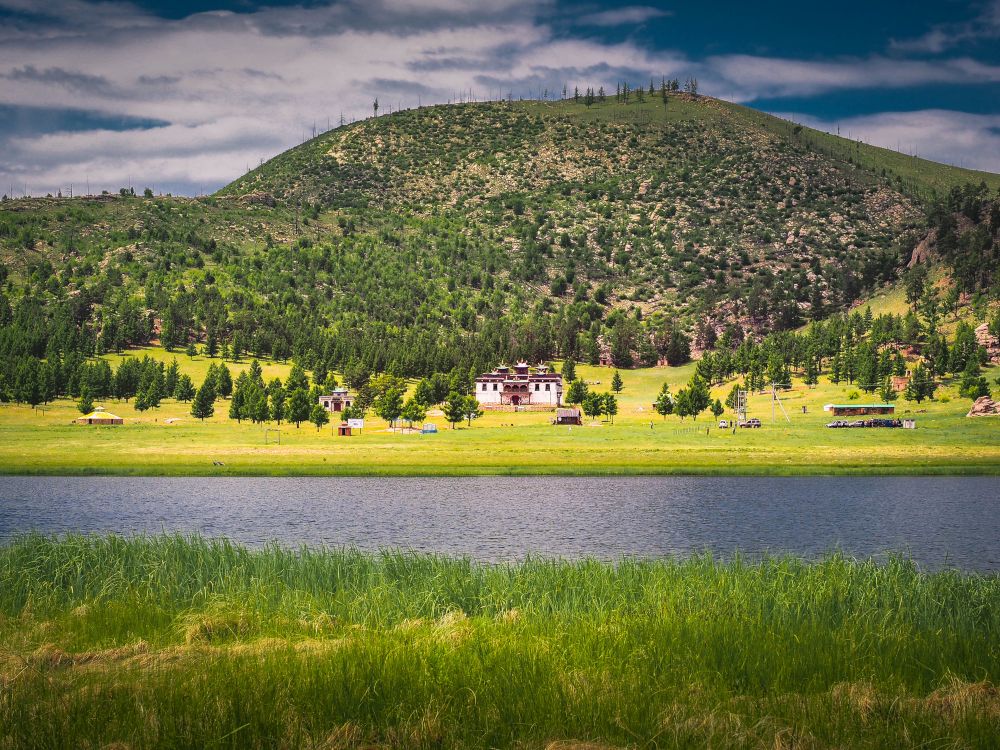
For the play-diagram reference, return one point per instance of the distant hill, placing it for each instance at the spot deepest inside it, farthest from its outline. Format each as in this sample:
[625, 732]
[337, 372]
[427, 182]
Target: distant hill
[458, 235]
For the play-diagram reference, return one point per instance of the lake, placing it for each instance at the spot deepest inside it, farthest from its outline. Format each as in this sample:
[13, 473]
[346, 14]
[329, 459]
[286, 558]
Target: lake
[939, 522]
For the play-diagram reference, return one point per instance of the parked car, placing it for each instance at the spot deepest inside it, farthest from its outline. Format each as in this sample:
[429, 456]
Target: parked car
[752, 422]
[723, 424]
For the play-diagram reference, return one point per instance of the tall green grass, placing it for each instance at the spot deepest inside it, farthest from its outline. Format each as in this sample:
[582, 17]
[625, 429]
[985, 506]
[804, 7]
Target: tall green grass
[174, 641]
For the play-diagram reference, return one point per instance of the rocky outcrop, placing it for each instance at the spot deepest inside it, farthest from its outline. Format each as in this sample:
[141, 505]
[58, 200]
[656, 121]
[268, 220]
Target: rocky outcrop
[989, 342]
[922, 252]
[984, 407]
[925, 249]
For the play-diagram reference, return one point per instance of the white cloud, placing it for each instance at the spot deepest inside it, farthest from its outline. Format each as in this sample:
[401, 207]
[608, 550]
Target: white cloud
[985, 27]
[959, 138]
[237, 88]
[631, 14]
[241, 87]
[746, 77]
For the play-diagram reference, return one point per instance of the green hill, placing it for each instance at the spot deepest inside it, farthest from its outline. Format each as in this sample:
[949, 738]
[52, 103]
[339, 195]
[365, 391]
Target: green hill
[454, 236]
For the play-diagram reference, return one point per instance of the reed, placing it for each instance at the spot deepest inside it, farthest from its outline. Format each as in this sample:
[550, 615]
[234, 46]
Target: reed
[177, 641]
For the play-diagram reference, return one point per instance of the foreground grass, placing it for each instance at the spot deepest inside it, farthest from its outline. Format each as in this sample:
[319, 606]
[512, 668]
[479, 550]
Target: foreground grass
[946, 442]
[184, 642]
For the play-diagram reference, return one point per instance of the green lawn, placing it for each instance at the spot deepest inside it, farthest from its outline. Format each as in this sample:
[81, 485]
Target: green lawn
[188, 643]
[48, 442]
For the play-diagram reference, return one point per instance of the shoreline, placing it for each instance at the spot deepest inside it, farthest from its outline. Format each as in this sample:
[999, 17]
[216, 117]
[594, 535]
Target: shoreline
[401, 471]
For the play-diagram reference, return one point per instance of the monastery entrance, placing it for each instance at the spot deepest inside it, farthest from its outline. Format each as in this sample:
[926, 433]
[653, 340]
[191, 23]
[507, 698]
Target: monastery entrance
[515, 400]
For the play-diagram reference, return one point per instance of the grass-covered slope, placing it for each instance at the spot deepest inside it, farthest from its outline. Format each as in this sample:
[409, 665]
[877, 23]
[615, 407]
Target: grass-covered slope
[671, 207]
[460, 235]
[919, 177]
[187, 643]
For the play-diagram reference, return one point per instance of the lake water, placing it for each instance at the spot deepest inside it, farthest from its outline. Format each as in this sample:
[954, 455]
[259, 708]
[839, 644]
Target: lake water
[937, 521]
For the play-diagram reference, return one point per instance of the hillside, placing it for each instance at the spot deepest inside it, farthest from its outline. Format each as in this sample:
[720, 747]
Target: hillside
[454, 236]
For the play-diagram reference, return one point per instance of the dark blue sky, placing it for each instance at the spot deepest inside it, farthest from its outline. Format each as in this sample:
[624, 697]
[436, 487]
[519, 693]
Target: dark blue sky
[184, 96]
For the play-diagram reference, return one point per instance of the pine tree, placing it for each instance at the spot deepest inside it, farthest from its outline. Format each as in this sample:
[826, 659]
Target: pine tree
[298, 406]
[296, 380]
[682, 403]
[318, 416]
[886, 392]
[717, 409]
[471, 409]
[278, 404]
[260, 409]
[576, 392]
[616, 382]
[184, 390]
[592, 404]
[664, 403]
[836, 368]
[609, 405]
[236, 405]
[203, 405]
[698, 396]
[921, 385]
[390, 405]
[973, 384]
[812, 372]
[868, 375]
[152, 395]
[413, 411]
[256, 374]
[170, 379]
[86, 403]
[223, 381]
[569, 370]
[454, 408]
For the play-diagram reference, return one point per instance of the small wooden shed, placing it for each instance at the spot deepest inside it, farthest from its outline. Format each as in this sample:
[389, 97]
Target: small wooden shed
[344, 430]
[99, 416]
[568, 416]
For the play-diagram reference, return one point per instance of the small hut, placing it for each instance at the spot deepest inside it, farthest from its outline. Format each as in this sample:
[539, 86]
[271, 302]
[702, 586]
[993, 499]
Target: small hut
[99, 416]
[344, 430]
[568, 416]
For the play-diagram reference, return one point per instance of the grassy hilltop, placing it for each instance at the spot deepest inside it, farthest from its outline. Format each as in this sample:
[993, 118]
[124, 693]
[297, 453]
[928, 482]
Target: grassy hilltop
[189, 643]
[456, 235]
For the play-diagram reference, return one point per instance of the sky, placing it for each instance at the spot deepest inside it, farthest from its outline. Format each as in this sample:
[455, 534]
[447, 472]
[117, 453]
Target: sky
[184, 97]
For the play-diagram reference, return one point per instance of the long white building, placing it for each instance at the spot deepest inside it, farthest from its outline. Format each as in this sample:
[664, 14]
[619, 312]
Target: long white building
[520, 387]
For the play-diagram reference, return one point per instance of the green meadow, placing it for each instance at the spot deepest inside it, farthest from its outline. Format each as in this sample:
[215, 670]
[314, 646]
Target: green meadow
[169, 441]
[108, 642]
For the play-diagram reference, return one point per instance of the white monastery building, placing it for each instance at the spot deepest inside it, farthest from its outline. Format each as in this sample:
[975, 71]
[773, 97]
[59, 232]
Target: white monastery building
[521, 387]
[337, 401]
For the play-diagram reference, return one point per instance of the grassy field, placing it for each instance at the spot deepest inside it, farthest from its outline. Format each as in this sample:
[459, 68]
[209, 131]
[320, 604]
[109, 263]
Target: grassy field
[188, 643]
[45, 441]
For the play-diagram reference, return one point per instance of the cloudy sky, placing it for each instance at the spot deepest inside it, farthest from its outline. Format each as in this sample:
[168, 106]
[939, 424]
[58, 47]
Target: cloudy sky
[184, 96]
